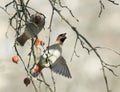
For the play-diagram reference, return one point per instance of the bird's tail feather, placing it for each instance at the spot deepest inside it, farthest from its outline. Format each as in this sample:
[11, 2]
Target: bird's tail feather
[22, 39]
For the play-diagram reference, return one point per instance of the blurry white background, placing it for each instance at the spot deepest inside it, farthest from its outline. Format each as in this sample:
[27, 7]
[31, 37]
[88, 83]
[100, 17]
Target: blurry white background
[86, 70]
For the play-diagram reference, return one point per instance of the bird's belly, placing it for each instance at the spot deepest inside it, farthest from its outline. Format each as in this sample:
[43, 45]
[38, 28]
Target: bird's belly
[51, 57]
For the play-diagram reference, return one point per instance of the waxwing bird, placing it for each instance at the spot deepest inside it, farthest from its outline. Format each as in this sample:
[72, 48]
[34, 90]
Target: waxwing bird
[53, 59]
[32, 28]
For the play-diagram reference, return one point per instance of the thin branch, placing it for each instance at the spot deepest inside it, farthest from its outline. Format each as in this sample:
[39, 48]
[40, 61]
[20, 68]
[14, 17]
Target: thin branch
[53, 80]
[82, 44]
[98, 47]
[42, 81]
[16, 50]
[45, 82]
[111, 71]
[34, 10]
[39, 87]
[46, 85]
[33, 50]
[101, 8]
[5, 11]
[29, 60]
[110, 65]
[115, 66]
[112, 1]
[27, 2]
[63, 6]
[36, 90]
[50, 25]
[9, 3]
[74, 52]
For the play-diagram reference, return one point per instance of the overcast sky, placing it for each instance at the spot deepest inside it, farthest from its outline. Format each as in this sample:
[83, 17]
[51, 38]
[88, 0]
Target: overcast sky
[86, 70]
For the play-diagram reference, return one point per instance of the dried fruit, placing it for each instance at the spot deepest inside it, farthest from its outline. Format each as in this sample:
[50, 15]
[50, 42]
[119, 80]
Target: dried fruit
[15, 59]
[27, 81]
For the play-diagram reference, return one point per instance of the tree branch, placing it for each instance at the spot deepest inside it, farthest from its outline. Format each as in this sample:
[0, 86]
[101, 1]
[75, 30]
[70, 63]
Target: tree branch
[21, 15]
[86, 41]
[102, 6]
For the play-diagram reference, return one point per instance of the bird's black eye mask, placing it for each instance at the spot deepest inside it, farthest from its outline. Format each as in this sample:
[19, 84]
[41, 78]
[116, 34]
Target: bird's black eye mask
[37, 19]
[63, 39]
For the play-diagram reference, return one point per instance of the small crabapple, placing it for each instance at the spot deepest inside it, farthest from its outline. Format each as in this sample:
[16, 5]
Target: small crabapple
[15, 59]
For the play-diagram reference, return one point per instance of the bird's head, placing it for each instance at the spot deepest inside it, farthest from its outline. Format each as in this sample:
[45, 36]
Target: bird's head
[61, 38]
[39, 18]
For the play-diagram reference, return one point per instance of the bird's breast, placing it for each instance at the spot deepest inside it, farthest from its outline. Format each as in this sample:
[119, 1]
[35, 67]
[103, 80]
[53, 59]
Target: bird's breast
[51, 57]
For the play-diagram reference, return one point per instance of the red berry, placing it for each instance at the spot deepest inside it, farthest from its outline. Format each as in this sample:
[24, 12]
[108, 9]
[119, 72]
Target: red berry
[37, 42]
[27, 81]
[15, 59]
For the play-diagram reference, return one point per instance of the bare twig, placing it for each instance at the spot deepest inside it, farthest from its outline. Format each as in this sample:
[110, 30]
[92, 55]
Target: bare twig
[53, 81]
[9, 3]
[50, 25]
[74, 51]
[107, 49]
[63, 6]
[5, 11]
[112, 1]
[111, 71]
[30, 54]
[20, 57]
[101, 8]
[82, 44]
[115, 66]
[36, 90]
[27, 2]
[110, 65]
[45, 82]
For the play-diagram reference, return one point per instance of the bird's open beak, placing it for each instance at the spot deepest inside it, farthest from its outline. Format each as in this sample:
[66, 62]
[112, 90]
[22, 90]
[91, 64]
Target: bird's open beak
[64, 35]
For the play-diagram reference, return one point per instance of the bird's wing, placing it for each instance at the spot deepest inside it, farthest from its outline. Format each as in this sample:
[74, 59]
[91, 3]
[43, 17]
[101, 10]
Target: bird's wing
[51, 49]
[61, 67]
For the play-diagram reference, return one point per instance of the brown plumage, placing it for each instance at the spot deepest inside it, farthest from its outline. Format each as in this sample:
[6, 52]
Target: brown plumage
[32, 28]
[22, 39]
